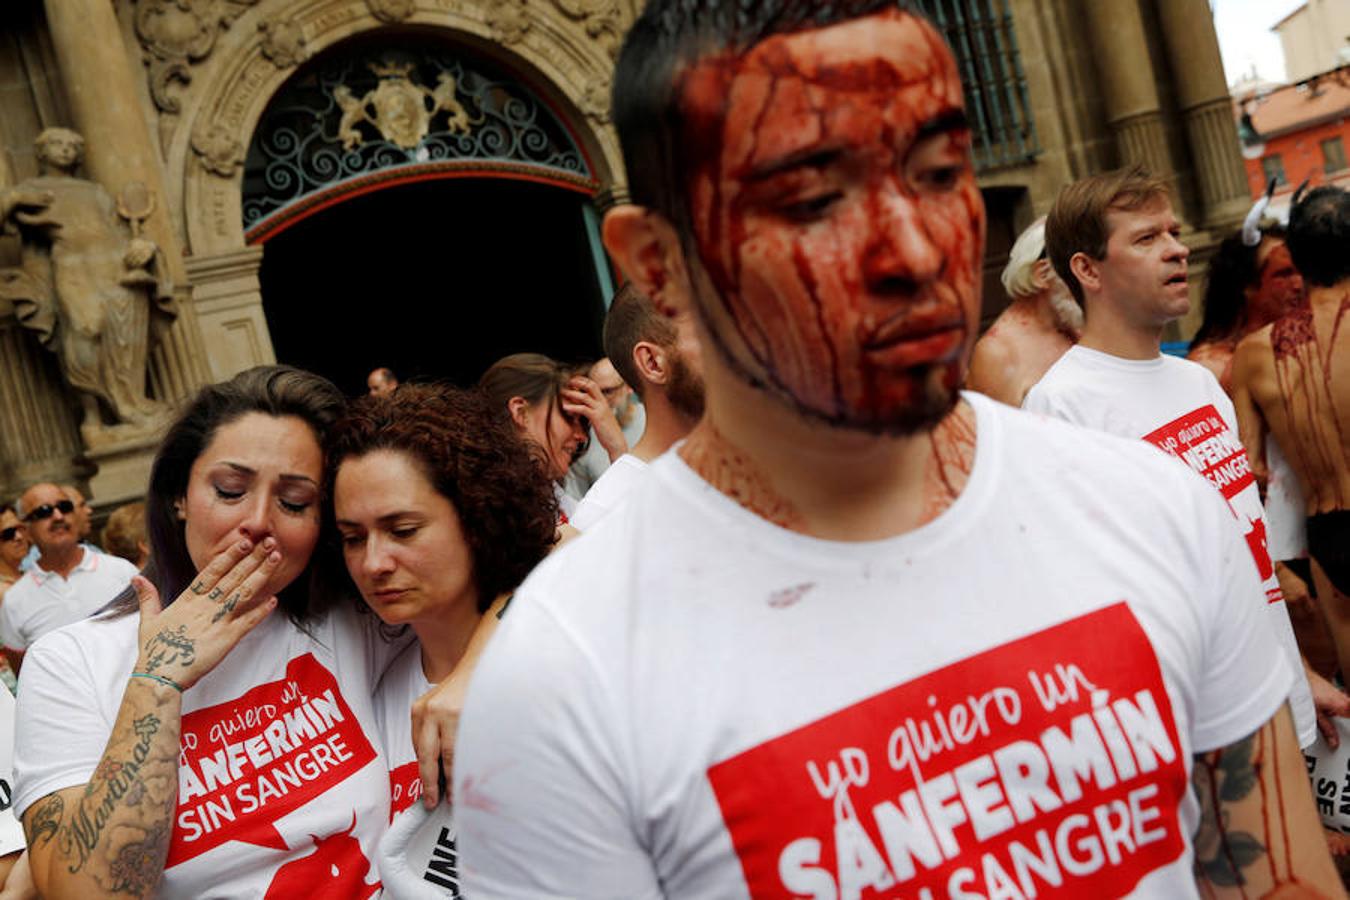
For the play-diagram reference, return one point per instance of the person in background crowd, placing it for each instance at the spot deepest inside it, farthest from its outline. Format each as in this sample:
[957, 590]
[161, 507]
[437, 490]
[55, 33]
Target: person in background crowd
[124, 534]
[631, 414]
[1290, 379]
[69, 581]
[381, 381]
[1246, 288]
[551, 409]
[1115, 241]
[441, 509]
[14, 546]
[84, 514]
[661, 358]
[246, 690]
[1042, 321]
[809, 655]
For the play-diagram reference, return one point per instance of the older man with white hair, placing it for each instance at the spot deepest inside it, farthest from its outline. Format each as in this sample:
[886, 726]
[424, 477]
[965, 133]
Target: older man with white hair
[1030, 336]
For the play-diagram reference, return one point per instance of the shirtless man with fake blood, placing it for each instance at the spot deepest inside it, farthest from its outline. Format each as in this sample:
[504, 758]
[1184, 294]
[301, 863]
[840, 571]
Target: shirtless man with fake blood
[1293, 379]
[861, 634]
[1042, 321]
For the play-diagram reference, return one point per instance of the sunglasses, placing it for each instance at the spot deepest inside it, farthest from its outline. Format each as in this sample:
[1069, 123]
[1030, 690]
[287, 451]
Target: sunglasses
[65, 507]
[9, 533]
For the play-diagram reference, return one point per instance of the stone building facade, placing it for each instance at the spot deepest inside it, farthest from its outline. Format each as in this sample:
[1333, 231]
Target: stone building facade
[244, 119]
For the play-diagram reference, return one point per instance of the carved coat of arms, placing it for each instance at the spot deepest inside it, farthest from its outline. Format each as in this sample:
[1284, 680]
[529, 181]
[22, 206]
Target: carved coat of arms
[399, 109]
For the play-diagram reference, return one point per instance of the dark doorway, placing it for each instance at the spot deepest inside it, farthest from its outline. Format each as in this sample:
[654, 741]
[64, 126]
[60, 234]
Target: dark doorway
[435, 280]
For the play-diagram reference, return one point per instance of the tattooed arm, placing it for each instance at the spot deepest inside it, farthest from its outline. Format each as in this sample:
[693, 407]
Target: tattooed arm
[110, 836]
[1259, 834]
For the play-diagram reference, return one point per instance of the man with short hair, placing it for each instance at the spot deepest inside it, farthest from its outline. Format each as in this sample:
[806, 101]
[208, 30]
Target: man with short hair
[594, 461]
[861, 634]
[1293, 378]
[661, 359]
[1115, 241]
[1042, 321]
[381, 381]
[84, 513]
[68, 583]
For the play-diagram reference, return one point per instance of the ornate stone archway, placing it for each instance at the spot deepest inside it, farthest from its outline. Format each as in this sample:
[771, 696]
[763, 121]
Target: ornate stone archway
[563, 49]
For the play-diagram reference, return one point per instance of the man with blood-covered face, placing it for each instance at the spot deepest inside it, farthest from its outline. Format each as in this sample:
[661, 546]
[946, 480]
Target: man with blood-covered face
[857, 632]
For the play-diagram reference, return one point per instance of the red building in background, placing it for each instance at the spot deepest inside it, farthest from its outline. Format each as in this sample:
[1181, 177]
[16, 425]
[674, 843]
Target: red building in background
[1297, 132]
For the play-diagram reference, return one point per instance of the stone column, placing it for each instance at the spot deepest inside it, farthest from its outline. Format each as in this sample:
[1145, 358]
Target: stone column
[1206, 110]
[1133, 109]
[119, 149]
[39, 430]
[229, 308]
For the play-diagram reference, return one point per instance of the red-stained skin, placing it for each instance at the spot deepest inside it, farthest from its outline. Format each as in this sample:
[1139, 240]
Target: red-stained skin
[845, 252]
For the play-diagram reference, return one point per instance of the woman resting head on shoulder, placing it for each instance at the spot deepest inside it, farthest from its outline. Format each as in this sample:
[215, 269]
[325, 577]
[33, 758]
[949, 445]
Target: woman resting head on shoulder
[208, 746]
[551, 406]
[440, 508]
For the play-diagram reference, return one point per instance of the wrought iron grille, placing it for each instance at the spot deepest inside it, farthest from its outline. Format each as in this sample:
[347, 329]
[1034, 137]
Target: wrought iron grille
[981, 35]
[298, 147]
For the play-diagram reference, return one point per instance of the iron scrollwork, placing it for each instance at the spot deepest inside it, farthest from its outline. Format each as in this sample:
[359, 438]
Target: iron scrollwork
[383, 110]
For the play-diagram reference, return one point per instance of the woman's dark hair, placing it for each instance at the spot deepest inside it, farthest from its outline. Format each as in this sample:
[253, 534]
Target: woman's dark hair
[533, 376]
[474, 458]
[271, 390]
[1231, 271]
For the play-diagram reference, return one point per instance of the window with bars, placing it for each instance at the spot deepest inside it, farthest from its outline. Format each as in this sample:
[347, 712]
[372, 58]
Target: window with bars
[982, 36]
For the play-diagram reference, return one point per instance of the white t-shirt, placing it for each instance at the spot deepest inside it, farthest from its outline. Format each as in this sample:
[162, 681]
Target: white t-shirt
[283, 790]
[728, 709]
[43, 601]
[429, 853]
[11, 830]
[608, 491]
[1286, 510]
[1178, 406]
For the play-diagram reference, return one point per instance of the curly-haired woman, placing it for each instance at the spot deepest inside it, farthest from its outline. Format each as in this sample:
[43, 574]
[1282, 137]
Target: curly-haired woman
[442, 510]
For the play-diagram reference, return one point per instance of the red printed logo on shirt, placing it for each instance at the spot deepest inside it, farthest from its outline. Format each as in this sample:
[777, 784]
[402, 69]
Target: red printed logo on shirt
[1047, 767]
[1203, 441]
[246, 763]
[405, 788]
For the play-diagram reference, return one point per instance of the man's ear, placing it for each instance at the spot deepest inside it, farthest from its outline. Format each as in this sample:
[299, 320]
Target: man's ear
[647, 247]
[1043, 273]
[1087, 270]
[651, 362]
[518, 407]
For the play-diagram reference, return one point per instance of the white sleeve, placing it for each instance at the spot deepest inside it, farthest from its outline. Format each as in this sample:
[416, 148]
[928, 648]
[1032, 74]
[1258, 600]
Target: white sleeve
[9, 628]
[540, 799]
[1244, 676]
[60, 733]
[11, 832]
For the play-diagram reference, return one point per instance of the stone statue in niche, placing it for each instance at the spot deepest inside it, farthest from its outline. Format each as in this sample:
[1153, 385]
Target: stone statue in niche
[89, 285]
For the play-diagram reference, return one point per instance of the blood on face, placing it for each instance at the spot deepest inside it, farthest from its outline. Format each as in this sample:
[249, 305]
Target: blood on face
[835, 213]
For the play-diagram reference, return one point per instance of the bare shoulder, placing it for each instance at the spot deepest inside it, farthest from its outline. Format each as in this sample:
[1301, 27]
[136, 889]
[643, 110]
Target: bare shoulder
[1253, 354]
[993, 366]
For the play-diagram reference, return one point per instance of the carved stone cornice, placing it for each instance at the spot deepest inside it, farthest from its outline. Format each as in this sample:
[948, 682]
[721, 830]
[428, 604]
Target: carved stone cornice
[283, 42]
[177, 34]
[595, 99]
[391, 12]
[508, 20]
[601, 19]
[218, 149]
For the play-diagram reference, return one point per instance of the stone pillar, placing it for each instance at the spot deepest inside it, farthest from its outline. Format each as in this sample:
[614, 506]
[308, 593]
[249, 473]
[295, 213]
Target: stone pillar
[229, 308]
[1206, 110]
[39, 427]
[119, 149]
[1133, 109]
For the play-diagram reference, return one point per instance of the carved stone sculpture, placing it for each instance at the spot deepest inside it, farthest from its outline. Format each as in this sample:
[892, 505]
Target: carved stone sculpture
[399, 109]
[90, 287]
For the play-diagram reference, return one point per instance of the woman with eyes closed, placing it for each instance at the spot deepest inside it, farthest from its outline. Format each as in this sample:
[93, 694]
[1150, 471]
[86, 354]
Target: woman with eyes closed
[551, 408]
[441, 509]
[214, 745]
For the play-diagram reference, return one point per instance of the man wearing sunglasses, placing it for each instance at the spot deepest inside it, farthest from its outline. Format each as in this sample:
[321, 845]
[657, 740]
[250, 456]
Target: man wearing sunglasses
[68, 583]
